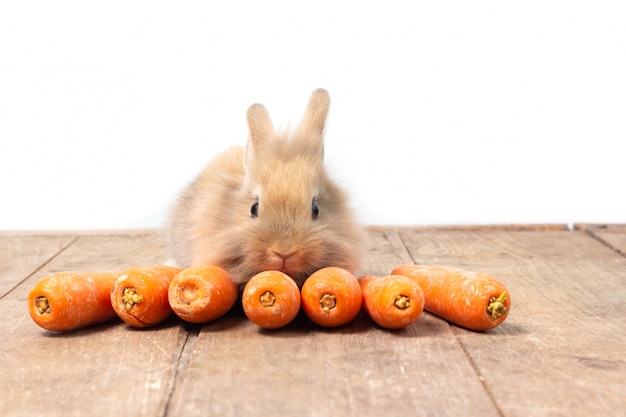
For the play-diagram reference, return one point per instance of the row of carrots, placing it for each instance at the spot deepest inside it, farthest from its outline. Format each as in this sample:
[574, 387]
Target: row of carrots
[330, 297]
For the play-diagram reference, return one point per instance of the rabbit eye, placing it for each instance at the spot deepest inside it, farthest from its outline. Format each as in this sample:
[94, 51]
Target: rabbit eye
[315, 211]
[254, 210]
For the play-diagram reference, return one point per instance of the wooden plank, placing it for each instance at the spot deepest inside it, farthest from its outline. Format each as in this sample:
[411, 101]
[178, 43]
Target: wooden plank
[81, 232]
[535, 227]
[560, 352]
[106, 370]
[20, 256]
[613, 235]
[562, 349]
[234, 369]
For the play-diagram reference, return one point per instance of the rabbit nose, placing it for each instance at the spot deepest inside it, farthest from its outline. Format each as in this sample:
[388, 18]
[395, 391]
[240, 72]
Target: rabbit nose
[284, 255]
[283, 259]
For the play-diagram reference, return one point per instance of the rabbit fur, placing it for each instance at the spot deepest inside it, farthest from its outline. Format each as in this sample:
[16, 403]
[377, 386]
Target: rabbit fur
[268, 206]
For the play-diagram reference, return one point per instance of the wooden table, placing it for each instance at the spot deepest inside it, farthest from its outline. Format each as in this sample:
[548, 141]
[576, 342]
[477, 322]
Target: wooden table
[562, 350]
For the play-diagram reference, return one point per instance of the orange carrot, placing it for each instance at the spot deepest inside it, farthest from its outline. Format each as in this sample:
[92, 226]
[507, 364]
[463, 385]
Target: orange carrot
[201, 294]
[393, 302]
[66, 301]
[139, 295]
[271, 299]
[331, 297]
[469, 299]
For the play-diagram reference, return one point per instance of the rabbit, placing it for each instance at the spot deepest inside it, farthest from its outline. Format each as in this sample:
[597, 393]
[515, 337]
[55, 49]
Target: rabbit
[268, 206]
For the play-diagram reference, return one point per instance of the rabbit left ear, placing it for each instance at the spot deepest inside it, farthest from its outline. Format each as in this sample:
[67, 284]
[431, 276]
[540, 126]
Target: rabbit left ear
[260, 129]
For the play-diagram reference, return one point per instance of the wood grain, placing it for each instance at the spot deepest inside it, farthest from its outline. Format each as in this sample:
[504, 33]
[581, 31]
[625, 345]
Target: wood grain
[560, 352]
[21, 256]
[563, 345]
[613, 235]
[107, 370]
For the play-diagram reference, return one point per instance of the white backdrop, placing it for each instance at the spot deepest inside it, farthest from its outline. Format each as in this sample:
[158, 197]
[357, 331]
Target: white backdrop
[443, 112]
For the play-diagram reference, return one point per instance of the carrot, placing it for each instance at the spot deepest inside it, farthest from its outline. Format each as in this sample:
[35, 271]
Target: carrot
[469, 299]
[66, 301]
[139, 296]
[393, 302]
[201, 294]
[271, 299]
[331, 297]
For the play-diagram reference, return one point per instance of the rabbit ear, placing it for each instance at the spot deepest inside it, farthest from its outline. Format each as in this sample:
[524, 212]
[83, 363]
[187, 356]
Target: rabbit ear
[311, 128]
[315, 114]
[260, 129]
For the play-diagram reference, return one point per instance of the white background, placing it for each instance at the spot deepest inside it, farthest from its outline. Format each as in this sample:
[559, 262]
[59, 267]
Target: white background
[443, 112]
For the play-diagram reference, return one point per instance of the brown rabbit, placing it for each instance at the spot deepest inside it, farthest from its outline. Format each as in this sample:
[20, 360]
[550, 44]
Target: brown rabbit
[268, 206]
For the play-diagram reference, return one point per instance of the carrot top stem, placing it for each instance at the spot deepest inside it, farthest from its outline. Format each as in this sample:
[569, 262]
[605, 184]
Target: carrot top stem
[496, 306]
[130, 298]
[402, 302]
[328, 301]
[267, 299]
[43, 305]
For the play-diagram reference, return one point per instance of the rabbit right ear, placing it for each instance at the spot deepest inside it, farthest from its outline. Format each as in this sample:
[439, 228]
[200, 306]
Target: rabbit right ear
[315, 114]
[260, 129]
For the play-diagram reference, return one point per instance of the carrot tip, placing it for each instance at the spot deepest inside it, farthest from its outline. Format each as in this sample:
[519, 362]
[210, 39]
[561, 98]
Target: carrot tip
[42, 305]
[496, 306]
[402, 302]
[130, 298]
[328, 302]
[267, 299]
